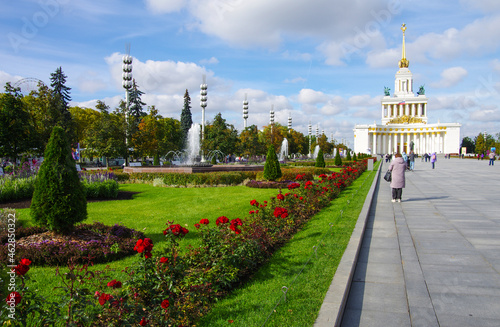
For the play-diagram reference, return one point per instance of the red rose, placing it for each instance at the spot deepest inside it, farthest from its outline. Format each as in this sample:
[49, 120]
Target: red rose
[21, 269]
[204, 221]
[165, 304]
[221, 220]
[26, 262]
[280, 197]
[103, 298]
[144, 245]
[197, 226]
[254, 203]
[251, 212]
[163, 260]
[148, 244]
[115, 284]
[13, 297]
[147, 254]
[280, 212]
[299, 177]
[235, 229]
[237, 221]
[143, 321]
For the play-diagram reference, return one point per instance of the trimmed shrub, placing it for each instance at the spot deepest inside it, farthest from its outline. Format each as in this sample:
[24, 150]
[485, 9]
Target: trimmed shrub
[338, 159]
[348, 157]
[272, 170]
[59, 197]
[320, 160]
[354, 157]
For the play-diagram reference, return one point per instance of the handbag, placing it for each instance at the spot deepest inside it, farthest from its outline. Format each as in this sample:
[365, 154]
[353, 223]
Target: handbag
[388, 176]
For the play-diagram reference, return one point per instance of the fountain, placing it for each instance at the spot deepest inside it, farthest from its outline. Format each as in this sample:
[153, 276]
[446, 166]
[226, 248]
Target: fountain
[316, 150]
[193, 145]
[284, 150]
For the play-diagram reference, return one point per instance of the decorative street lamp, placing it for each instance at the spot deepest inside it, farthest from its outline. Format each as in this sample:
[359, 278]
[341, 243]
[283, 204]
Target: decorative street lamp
[203, 104]
[127, 85]
[289, 122]
[245, 111]
[271, 121]
[310, 132]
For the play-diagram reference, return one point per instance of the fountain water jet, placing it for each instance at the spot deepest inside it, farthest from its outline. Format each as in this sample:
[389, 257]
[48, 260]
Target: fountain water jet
[284, 150]
[193, 145]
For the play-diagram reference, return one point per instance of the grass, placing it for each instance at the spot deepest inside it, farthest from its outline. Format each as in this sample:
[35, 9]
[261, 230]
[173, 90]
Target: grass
[306, 273]
[149, 211]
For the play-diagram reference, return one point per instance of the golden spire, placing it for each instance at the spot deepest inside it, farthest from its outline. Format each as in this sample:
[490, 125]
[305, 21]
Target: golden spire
[404, 63]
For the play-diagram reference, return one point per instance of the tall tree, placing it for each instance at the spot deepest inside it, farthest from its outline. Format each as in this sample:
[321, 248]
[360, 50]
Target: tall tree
[136, 106]
[220, 135]
[186, 117]
[16, 132]
[480, 144]
[147, 139]
[249, 143]
[60, 102]
[106, 137]
[274, 135]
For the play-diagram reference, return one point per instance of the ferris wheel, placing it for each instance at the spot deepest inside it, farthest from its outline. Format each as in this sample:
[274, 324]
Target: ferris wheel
[28, 84]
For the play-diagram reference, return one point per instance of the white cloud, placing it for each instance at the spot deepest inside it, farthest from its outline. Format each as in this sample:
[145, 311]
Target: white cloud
[486, 115]
[165, 6]
[210, 61]
[311, 97]
[450, 77]
[6, 77]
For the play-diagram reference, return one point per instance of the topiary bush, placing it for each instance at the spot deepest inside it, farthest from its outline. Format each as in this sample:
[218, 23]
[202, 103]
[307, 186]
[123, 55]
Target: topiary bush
[58, 201]
[338, 159]
[348, 157]
[320, 159]
[272, 169]
[354, 157]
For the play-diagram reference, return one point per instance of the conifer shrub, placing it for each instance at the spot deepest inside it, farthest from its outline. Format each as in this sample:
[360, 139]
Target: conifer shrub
[354, 157]
[58, 201]
[320, 159]
[272, 169]
[338, 159]
[348, 157]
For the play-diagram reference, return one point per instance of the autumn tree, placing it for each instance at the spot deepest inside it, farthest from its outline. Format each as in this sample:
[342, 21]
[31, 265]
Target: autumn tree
[480, 144]
[249, 144]
[146, 140]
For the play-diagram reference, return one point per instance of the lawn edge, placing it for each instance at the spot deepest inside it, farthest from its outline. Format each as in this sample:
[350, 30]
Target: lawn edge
[333, 306]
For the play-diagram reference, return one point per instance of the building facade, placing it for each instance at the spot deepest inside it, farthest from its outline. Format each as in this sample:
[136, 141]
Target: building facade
[404, 124]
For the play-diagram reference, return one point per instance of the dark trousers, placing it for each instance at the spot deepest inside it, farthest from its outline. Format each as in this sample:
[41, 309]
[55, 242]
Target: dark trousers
[396, 193]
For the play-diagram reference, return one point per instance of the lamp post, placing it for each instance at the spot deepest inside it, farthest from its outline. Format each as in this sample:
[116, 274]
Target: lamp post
[203, 104]
[245, 112]
[310, 132]
[289, 122]
[127, 85]
[271, 122]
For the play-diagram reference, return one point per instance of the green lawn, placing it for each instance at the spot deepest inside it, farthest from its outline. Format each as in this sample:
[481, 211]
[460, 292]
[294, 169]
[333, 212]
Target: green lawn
[150, 210]
[306, 274]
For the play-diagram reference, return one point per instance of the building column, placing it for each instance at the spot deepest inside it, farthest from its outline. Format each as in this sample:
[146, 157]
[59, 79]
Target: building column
[389, 143]
[419, 110]
[384, 143]
[374, 149]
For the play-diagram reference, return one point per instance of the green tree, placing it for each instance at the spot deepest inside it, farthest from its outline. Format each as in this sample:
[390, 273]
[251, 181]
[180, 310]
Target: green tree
[348, 156]
[170, 135]
[16, 133]
[147, 139]
[354, 158]
[136, 105]
[338, 159]
[60, 102]
[273, 135]
[297, 142]
[249, 144]
[480, 145]
[186, 118]
[106, 136]
[59, 197]
[272, 169]
[320, 159]
[220, 135]
[468, 143]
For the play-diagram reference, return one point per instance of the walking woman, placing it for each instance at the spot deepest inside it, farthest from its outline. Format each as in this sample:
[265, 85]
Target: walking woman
[398, 168]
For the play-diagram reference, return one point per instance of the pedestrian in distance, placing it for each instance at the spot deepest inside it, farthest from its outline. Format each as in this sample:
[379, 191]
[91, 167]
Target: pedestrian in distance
[433, 159]
[397, 168]
[492, 158]
[411, 159]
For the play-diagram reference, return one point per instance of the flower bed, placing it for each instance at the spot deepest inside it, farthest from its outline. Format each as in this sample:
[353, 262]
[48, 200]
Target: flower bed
[172, 289]
[95, 243]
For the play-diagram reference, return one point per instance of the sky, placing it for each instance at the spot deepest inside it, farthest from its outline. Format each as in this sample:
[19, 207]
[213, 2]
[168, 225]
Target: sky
[320, 62]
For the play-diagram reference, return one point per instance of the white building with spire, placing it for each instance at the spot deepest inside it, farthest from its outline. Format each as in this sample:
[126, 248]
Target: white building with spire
[404, 125]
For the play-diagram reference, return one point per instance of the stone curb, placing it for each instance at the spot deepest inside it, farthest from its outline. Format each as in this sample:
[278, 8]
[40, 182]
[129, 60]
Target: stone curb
[332, 309]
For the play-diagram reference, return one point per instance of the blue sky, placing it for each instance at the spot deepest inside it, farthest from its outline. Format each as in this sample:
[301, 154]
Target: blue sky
[319, 61]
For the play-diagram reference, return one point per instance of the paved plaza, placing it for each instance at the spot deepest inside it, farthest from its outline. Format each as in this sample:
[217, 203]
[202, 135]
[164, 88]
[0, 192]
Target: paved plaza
[434, 259]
